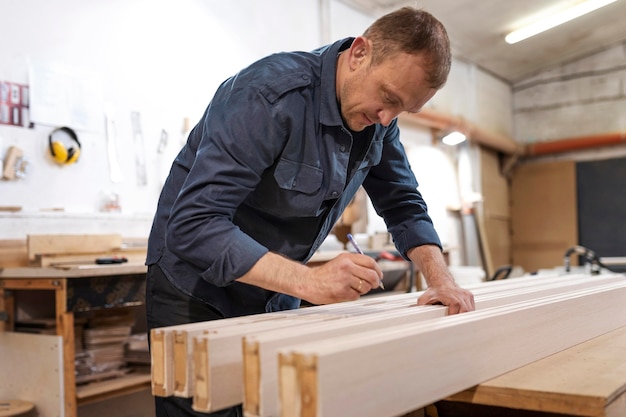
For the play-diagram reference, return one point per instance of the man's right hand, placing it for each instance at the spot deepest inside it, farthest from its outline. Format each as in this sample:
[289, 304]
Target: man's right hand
[344, 278]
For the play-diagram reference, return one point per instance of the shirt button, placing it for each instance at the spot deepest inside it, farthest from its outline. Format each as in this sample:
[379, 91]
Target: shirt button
[334, 194]
[342, 148]
[305, 77]
[293, 184]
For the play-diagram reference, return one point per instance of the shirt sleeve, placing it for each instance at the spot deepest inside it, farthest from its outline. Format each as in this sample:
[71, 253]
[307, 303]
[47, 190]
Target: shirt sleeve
[393, 189]
[237, 139]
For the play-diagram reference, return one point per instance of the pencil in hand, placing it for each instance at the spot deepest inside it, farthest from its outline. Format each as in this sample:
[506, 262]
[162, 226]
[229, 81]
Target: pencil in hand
[358, 250]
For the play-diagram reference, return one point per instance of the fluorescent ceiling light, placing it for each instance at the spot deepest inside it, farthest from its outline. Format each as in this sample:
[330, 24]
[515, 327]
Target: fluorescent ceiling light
[453, 138]
[549, 22]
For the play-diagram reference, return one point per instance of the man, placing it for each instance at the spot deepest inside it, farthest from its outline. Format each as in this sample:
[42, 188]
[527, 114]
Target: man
[279, 153]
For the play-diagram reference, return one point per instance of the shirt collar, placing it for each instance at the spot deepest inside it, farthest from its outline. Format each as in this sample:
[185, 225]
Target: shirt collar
[329, 109]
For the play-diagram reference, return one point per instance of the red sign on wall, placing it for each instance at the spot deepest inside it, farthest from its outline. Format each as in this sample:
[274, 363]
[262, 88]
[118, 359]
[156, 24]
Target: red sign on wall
[14, 104]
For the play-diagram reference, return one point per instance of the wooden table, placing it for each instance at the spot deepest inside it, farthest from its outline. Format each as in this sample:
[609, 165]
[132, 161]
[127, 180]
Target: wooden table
[586, 380]
[64, 283]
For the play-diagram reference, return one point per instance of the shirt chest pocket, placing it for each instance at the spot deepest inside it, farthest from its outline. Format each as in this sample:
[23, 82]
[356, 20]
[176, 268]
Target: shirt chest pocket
[294, 190]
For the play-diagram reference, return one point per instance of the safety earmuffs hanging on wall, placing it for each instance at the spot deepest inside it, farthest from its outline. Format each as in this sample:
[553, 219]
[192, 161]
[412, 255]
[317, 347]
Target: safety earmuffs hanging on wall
[61, 153]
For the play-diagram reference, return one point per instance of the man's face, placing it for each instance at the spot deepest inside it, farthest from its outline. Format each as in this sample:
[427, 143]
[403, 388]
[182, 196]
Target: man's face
[377, 94]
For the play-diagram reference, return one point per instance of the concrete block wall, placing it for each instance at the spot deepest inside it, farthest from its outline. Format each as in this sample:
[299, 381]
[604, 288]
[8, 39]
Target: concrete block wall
[580, 98]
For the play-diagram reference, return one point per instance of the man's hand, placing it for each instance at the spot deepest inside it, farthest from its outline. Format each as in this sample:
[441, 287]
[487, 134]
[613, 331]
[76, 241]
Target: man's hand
[344, 278]
[441, 286]
[457, 299]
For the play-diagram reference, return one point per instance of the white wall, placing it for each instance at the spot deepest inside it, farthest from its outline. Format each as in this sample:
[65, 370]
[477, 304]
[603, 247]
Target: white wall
[162, 58]
[165, 59]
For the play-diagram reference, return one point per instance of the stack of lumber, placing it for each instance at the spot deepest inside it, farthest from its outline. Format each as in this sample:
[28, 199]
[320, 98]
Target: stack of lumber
[380, 356]
[136, 350]
[49, 326]
[104, 340]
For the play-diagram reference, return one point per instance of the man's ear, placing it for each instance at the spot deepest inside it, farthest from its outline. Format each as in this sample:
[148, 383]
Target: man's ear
[360, 51]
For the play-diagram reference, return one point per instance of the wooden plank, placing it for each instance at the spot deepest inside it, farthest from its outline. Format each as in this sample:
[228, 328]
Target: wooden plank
[88, 260]
[38, 274]
[162, 380]
[494, 214]
[163, 361]
[169, 364]
[112, 387]
[30, 284]
[494, 185]
[35, 364]
[218, 361]
[260, 350]
[182, 348]
[234, 388]
[172, 368]
[71, 244]
[13, 253]
[260, 360]
[162, 349]
[344, 376]
[582, 380]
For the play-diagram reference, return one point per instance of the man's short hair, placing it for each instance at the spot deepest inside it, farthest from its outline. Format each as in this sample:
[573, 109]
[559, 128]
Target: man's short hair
[413, 31]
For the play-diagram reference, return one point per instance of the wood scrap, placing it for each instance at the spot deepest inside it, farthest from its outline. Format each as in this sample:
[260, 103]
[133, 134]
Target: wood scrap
[39, 245]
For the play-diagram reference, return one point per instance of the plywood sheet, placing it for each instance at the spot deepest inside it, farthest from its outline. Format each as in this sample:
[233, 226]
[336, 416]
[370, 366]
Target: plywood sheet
[495, 215]
[543, 213]
[585, 379]
[35, 363]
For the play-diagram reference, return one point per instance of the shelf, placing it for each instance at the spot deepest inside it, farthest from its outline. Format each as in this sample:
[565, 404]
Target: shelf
[127, 384]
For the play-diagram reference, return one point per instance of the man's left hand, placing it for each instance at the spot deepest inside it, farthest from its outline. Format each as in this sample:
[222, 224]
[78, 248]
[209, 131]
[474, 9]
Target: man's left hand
[457, 299]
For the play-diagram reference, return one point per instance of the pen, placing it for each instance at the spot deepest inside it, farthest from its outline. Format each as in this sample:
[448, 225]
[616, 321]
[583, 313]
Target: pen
[358, 250]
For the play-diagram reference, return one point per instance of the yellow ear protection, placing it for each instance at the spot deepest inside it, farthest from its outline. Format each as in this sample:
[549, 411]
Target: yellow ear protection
[62, 154]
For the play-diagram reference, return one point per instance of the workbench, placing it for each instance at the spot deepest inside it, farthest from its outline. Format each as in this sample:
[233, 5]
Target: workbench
[78, 288]
[588, 380]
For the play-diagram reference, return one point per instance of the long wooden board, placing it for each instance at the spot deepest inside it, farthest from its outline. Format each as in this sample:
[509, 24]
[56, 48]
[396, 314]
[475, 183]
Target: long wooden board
[218, 365]
[421, 363]
[172, 346]
[261, 397]
[71, 244]
[173, 368]
[260, 350]
[162, 350]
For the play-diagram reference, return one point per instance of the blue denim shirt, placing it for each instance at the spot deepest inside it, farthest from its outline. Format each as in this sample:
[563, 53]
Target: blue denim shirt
[266, 169]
